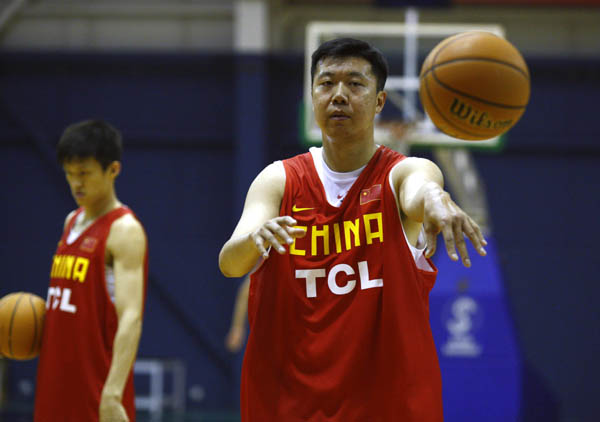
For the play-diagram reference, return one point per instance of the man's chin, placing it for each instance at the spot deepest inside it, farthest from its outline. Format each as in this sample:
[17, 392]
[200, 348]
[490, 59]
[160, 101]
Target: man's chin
[337, 131]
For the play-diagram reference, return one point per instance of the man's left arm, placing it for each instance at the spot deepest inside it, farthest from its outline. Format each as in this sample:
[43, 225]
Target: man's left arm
[127, 245]
[237, 331]
[422, 199]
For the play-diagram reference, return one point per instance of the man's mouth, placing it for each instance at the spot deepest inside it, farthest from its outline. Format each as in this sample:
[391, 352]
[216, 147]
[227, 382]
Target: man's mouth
[338, 115]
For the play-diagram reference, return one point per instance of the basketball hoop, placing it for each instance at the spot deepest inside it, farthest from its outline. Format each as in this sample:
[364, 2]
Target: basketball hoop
[394, 134]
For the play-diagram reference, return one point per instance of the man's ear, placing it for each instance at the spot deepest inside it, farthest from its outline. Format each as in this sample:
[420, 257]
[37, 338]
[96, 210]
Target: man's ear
[114, 168]
[381, 97]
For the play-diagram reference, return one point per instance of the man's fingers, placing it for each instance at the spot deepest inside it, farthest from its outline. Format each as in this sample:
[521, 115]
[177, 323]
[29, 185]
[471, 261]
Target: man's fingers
[285, 220]
[288, 223]
[480, 236]
[431, 239]
[448, 234]
[459, 240]
[280, 232]
[473, 232]
[260, 245]
[483, 241]
[295, 231]
[276, 233]
[270, 237]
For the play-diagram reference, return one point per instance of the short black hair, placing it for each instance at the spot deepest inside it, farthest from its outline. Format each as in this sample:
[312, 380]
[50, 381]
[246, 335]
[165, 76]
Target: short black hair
[350, 47]
[90, 138]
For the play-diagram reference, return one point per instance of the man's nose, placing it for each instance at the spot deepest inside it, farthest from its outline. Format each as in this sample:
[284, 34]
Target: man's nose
[339, 96]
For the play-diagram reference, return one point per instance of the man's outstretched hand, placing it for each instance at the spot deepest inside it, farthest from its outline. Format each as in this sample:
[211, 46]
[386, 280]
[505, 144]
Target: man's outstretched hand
[277, 232]
[441, 214]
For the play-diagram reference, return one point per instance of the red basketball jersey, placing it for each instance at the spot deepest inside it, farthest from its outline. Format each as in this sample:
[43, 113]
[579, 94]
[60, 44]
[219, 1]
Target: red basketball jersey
[79, 329]
[339, 326]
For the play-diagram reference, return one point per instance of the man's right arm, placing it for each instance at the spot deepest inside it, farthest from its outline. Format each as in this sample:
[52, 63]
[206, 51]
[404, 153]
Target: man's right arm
[260, 225]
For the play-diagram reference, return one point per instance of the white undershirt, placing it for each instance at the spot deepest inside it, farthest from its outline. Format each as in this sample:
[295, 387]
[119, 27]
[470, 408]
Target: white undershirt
[77, 228]
[336, 184]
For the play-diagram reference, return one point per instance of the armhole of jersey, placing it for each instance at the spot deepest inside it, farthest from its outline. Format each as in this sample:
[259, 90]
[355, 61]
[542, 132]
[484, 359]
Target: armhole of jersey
[418, 254]
[69, 226]
[109, 278]
[71, 219]
[109, 272]
[279, 163]
[260, 261]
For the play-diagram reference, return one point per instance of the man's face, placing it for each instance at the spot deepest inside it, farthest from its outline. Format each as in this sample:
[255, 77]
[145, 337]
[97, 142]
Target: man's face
[88, 181]
[345, 98]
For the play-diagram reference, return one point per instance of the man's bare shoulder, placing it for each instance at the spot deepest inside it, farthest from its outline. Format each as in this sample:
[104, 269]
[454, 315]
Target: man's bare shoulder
[412, 165]
[274, 173]
[270, 179]
[409, 164]
[126, 232]
[127, 225]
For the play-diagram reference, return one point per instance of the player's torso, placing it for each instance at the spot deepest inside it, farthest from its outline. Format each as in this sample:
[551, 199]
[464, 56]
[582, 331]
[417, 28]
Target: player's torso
[340, 256]
[334, 277]
[80, 277]
[328, 309]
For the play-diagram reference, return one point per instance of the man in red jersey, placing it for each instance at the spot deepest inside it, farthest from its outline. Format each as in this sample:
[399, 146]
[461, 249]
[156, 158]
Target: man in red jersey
[339, 239]
[97, 286]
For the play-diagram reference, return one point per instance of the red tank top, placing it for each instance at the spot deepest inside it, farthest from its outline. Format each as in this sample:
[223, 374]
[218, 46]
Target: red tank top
[339, 326]
[79, 329]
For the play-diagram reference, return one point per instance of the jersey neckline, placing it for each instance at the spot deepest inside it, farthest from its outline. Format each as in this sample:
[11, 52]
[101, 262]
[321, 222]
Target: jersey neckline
[365, 171]
[88, 228]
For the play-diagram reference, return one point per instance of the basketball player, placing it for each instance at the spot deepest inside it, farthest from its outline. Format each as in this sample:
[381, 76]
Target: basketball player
[97, 286]
[339, 239]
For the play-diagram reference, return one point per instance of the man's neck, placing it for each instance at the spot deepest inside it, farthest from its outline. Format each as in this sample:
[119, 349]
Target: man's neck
[100, 208]
[345, 156]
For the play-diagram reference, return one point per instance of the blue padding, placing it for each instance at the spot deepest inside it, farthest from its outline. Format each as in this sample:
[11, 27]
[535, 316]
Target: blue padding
[475, 338]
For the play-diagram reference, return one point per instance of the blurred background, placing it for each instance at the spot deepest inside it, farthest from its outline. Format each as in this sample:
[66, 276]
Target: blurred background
[207, 92]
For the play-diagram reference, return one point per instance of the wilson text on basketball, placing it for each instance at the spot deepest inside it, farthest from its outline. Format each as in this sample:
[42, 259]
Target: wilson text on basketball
[474, 117]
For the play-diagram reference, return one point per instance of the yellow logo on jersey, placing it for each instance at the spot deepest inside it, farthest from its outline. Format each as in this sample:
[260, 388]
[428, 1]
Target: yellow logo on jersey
[296, 209]
[346, 235]
[70, 267]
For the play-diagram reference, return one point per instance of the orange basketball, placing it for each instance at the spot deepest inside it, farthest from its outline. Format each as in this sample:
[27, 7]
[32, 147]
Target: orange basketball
[21, 322]
[474, 85]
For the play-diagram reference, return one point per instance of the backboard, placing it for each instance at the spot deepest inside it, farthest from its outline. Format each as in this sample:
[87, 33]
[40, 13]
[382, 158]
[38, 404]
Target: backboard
[403, 120]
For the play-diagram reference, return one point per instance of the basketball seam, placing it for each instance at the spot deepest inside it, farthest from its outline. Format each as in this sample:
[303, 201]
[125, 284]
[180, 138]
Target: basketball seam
[482, 59]
[433, 65]
[442, 115]
[12, 318]
[476, 98]
[35, 327]
[464, 94]
[469, 34]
